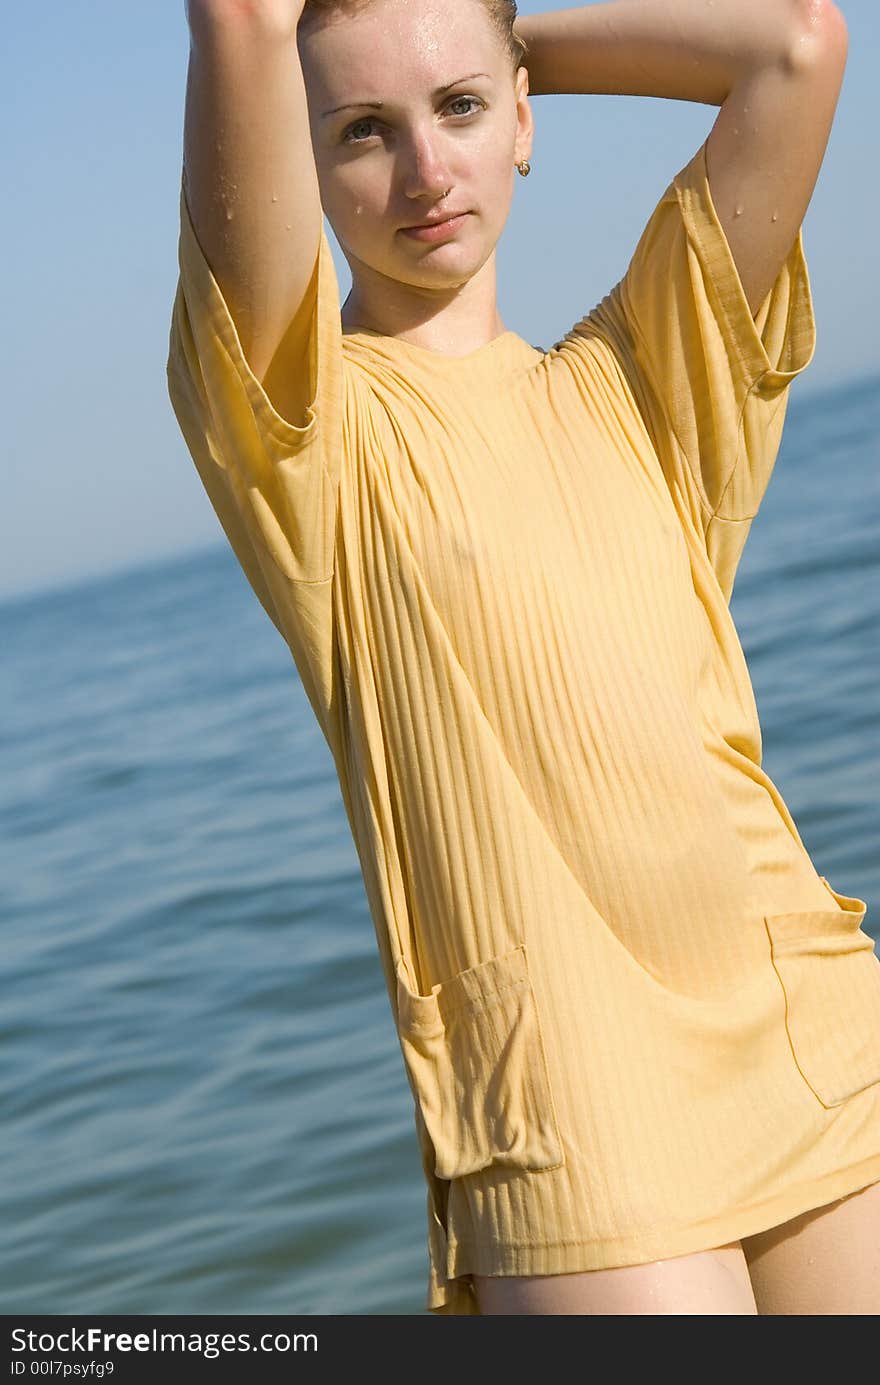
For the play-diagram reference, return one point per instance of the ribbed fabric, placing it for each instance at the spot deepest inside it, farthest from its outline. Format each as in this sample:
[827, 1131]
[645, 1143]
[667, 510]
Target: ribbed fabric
[635, 1020]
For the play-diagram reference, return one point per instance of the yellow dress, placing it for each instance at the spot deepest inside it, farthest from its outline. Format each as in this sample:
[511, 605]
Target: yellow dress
[635, 1020]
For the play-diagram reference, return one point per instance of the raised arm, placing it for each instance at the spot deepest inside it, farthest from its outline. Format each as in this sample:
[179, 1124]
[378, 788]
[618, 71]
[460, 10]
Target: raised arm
[249, 172]
[775, 68]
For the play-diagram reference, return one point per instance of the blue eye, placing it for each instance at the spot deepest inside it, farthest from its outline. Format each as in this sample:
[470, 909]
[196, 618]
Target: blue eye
[349, 137]
[465, 98]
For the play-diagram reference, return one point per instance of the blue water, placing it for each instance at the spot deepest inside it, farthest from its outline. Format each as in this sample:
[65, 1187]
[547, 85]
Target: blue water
[204, 1106]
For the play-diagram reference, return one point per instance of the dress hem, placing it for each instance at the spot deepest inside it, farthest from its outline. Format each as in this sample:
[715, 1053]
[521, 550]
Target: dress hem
[563, 1257]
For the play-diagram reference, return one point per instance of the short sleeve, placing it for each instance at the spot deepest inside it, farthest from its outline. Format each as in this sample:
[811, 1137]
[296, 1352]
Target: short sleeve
[272, 481]
[711, 381]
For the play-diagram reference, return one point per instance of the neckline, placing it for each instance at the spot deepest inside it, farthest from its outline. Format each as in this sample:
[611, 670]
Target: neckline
[428, 354]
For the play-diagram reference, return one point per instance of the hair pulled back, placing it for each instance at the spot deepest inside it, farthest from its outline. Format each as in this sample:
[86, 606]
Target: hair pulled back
[502, 13]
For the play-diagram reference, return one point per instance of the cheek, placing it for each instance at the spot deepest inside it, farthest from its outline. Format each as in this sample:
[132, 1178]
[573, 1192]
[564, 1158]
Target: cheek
[353, 200]
[490, 157]
[493, 176]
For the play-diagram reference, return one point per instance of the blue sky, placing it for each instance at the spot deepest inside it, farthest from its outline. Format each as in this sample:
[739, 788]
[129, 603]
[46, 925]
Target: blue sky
[96, 473]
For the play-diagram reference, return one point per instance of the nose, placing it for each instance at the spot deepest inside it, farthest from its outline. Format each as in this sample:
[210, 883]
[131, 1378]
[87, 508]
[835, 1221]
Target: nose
[427, 173]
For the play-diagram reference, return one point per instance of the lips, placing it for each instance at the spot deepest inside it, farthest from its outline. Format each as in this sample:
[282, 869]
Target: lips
[434, 221]
[436, 232]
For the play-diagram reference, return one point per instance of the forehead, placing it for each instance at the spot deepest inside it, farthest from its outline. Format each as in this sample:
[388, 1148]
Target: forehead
[412, 42]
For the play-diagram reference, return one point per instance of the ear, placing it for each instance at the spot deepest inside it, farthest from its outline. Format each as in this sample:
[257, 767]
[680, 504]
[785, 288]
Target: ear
[525, 123]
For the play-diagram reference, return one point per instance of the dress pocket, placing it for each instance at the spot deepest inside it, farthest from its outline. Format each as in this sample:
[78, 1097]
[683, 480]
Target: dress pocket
[830, 976]
[475, 1055]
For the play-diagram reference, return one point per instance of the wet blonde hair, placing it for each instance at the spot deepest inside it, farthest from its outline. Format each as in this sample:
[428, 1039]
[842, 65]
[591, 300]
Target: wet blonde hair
[502, 14]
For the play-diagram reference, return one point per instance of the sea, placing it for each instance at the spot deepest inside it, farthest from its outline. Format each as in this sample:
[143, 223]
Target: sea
[204, 1104]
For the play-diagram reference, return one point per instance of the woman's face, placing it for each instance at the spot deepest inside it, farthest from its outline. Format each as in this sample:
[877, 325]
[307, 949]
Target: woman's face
[381, 170]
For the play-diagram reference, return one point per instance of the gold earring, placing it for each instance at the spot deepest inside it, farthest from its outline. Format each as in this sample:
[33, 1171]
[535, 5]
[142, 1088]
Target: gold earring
[525, 168]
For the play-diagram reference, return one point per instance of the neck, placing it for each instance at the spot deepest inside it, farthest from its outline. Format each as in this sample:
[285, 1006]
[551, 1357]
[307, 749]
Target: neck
[456, 320]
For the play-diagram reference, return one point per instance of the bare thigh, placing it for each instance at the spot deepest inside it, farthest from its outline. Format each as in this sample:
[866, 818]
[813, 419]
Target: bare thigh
[708, 1281]
[824, 1261]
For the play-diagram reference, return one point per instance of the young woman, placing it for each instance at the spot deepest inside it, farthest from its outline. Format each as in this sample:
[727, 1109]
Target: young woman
[641, 1032]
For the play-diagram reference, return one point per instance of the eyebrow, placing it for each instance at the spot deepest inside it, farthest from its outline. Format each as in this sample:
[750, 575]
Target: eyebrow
[377, 105]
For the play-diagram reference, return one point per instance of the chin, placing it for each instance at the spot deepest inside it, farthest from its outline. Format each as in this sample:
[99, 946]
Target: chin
[465, 253]
[433, 275]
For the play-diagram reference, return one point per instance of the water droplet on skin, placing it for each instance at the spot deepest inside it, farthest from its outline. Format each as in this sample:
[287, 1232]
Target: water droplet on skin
[773, 217]
[288, 226]
[738, 211]
[229, 213]
[735, 130]
[274, 196]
